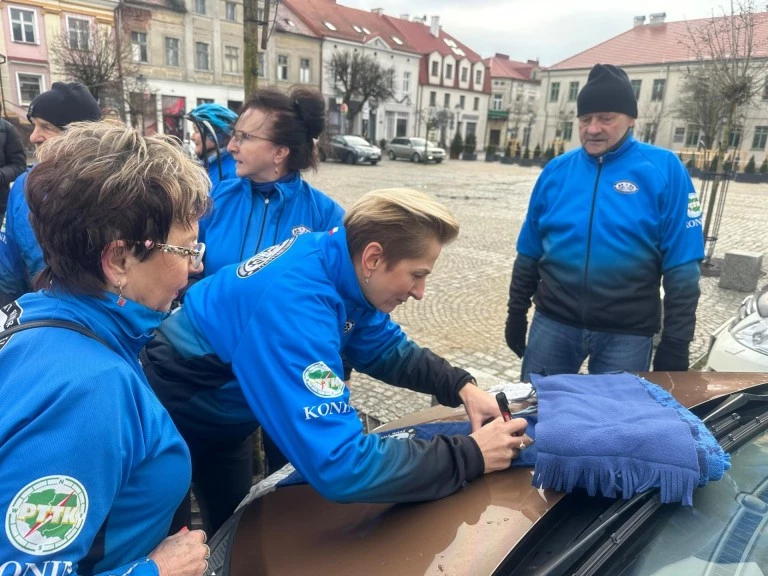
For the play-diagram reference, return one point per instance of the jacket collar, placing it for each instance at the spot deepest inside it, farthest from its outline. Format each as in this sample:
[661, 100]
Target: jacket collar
[287, 186]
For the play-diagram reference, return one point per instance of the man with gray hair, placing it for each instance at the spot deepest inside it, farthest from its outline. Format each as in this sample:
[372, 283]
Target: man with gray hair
[607, 225]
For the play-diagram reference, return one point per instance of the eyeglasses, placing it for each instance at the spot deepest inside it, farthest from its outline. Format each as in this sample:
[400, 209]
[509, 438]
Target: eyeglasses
[240, 136]
[195, 253]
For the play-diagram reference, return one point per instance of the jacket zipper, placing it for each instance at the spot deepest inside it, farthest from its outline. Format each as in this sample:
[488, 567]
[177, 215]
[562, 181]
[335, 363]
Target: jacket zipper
[263, 222]
[247, 226]
[585, 304]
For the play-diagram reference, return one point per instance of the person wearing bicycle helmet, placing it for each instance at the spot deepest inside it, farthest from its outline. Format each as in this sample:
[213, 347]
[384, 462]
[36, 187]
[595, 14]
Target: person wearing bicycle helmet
[213, 125]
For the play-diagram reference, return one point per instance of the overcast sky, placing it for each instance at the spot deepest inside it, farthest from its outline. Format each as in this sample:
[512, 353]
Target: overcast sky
[550, 30]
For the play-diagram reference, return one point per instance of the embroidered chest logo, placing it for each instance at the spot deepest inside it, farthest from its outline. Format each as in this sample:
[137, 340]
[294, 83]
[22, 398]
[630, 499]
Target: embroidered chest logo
[625, 187]
[694, 206]
[299, 230]
[47, 515]
[9, 317]
[321, 381]
[348, 326]
[253, 265]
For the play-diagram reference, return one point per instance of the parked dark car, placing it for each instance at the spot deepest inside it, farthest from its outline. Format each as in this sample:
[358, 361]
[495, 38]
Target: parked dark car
[501, 525]
[349, 149]
[415, 150]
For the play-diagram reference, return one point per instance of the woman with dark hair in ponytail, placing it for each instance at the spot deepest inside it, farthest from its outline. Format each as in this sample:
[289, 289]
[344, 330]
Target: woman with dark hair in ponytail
[269, 202]
[272, 142]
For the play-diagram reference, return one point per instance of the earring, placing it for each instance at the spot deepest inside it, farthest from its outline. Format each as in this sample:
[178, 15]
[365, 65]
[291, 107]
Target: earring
[120, 300]
[276, 170]
[366, 280]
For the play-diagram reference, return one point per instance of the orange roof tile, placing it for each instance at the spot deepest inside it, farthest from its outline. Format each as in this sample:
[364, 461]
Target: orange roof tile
[502, 67]
[654, 44]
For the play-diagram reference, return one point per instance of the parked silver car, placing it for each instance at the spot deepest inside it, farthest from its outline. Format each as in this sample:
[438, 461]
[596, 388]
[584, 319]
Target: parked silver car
[415, 150]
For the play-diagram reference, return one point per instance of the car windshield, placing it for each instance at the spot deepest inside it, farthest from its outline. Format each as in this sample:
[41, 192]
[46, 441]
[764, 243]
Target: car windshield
[725, 532]
[420, 142]
[356, 141]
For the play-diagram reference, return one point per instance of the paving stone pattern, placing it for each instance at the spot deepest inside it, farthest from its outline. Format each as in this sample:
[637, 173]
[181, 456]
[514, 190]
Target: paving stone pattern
[463, 312]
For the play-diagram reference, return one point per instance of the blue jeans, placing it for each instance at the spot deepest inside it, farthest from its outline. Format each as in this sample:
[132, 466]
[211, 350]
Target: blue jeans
[555, 348]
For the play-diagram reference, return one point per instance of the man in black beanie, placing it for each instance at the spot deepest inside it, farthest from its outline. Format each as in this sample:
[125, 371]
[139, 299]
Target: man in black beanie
[607, 223]
[49, 113]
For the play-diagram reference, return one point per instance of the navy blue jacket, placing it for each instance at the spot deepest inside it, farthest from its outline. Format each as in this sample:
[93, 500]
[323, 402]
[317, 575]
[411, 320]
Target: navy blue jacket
[92, 465]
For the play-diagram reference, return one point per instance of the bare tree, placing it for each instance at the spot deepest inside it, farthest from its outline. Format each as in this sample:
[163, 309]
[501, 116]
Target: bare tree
[91, 56]
[726, 73]
[700, 105]
[357, 78]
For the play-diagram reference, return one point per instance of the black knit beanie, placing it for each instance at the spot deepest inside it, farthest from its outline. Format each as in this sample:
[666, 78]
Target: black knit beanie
[608, 89]
[65, 103]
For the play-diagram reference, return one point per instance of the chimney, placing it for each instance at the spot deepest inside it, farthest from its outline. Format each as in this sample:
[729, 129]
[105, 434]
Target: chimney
[639, 21]
[404, 16]
[502, 56]
[657, 18]
[377, 11]
[533, 62]
[434, 27]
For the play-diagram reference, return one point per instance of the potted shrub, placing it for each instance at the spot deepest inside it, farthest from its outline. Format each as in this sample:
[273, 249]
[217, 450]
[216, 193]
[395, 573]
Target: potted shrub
[751, 174]
[507, 158]
[490, 153]
[457, 145]
[549, 154]
[525, 160]
[764, 166]
[561, 149]
[537, 154]
[470, 144]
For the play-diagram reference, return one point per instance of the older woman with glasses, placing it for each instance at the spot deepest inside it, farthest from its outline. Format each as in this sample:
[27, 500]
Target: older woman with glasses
[93, 468]
[272, 142]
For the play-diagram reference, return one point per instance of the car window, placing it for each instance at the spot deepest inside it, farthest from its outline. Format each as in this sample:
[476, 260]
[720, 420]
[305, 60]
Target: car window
[725, 532]
[418, 142]
[356, 141]
[338, 140]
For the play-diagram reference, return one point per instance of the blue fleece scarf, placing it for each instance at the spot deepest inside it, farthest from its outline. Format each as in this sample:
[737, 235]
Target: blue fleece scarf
[621, 434]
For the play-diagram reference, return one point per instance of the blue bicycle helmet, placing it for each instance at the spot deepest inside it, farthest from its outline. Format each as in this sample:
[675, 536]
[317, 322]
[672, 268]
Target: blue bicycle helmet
[219, 120]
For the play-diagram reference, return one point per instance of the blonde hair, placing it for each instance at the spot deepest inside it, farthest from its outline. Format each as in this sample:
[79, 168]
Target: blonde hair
[402, 220]
[99, 182]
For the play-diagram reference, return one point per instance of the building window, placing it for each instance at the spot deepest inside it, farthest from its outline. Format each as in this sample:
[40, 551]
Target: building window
[260, 15]
[446, 100]
[201, 101]
[649, 134]
[449, 71]
[139, 48]
[231, 59]
[23, 25]
[200, 6]
[79, 33]
[657, 94]
[692, 135]
[734, 138]
[464, 74]
[406, 82]
[498, 101]
[230, 10]
[462, 102]
[679, 135]
[305, 71]
[636, 88]
[765, 90]
[476, 105]
[554, 91]
[478, 77]
[433, 99]
[262, 69]
[435, 68]
[201, 56]
[573, 91]
[282, 67]
[234, 105]
[760, 137]
[567, 131]
[30, 86]
[172, 52]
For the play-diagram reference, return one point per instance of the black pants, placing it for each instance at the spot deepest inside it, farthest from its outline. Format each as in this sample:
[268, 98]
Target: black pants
[222, 473]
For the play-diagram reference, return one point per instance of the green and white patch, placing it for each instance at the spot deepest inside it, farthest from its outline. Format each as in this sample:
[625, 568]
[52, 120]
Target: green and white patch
[47, 515]
[694, 206]
[321, 381]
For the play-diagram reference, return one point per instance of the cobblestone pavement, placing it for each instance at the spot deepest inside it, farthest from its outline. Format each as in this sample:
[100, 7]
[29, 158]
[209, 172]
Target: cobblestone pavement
[463, 313]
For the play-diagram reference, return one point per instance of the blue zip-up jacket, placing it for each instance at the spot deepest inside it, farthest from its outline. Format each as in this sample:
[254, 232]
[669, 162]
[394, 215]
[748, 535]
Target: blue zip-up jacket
[249, 217]
[261, 342]
[13, 276]
[18, 229]
[228, 167]
[601, 232]
[92, 465]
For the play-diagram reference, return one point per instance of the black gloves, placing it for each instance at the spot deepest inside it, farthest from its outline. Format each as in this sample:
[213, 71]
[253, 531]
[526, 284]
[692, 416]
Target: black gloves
[515, 332]
[671, 355]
